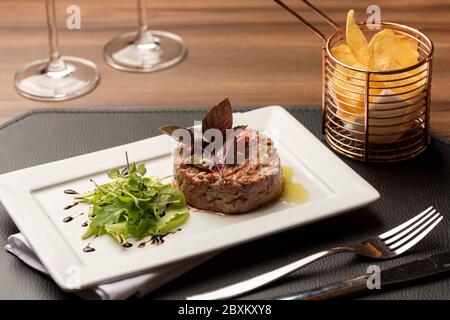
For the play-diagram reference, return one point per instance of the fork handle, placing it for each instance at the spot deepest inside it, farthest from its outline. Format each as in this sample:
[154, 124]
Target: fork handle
[266, 278]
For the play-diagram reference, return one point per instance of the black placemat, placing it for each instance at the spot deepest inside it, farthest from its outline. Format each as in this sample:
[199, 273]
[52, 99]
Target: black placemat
[406, 188]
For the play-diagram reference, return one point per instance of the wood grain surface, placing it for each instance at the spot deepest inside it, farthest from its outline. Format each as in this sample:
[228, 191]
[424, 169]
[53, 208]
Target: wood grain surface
[248, 50]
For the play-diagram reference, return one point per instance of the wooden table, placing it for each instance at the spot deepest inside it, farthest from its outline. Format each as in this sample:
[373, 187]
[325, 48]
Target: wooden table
[248, 50]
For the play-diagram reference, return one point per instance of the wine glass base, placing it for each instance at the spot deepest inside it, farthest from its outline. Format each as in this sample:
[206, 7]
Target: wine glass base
[126, 54]
[34, 82]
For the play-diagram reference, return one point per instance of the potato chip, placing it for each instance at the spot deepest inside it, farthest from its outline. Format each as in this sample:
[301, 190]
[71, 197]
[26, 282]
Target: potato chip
[382, 51]
[344, 54]
[356, 39]
[406, 51]
[348, 87]
[411, 43]
[390, 51]
[348, 84]
[350, 92]
[409, 88]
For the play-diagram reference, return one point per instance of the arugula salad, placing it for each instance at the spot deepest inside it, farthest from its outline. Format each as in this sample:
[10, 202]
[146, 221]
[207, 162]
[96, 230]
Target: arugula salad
[133, 206]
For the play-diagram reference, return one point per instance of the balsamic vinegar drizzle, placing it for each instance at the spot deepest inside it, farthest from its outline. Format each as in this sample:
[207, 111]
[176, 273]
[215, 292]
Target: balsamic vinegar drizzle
[124, 171]
[88, 247]
[70, 191]
[157, 240]
[67, 219]
[70, 218]
[153, 240]
[70, 206]
[127, 245]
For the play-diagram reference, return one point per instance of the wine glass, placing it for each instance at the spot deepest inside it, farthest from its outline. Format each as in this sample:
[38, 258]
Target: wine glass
[59, 77]
[144, 50]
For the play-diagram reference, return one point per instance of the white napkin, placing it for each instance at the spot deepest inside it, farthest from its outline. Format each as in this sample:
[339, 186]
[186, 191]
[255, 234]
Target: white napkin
[118, 290]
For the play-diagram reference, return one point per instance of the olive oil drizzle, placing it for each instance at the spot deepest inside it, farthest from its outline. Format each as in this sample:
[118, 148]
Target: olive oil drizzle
[293, 192]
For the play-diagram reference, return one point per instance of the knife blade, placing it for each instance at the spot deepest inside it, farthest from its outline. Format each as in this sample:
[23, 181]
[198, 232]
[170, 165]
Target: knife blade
[413, 270]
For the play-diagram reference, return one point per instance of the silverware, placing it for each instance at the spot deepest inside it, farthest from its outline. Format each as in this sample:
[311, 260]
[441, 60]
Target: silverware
[406, 272]
[384, 246]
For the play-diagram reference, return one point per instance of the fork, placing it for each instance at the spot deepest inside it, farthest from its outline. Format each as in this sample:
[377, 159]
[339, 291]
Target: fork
[387, 245]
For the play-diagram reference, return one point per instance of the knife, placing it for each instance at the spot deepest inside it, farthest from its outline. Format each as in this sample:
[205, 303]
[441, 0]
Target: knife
[416, 269]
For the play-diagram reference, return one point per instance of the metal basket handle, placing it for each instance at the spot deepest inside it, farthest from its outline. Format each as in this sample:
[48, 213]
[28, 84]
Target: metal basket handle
[308, 24]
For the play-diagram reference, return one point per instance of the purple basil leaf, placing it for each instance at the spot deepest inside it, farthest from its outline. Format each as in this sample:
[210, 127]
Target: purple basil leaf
[219, 117]
[170, 129]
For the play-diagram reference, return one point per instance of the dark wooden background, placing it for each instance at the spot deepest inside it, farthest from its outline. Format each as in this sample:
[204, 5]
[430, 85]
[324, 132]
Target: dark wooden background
[248, 50]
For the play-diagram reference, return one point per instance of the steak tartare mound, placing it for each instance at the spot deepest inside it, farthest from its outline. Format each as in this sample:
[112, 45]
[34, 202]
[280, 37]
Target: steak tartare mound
[235, 188]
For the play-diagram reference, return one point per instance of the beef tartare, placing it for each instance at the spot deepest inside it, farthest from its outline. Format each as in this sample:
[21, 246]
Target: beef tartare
[235, 188]
[252, 178]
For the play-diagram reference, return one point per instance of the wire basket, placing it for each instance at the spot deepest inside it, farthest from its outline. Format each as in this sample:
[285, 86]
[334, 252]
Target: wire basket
[377, 116]
[381, 116]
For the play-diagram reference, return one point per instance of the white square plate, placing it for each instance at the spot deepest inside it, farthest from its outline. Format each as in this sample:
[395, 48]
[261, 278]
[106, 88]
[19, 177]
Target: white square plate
[34, 199]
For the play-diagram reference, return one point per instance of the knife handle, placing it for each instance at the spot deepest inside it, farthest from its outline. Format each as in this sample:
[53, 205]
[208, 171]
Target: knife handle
[333, 290]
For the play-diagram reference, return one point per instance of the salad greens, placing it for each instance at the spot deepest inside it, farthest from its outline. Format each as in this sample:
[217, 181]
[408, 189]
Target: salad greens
[133, 206]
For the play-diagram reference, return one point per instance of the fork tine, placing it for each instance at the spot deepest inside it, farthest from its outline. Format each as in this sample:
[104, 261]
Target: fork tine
[412, 234]
[404, 225]
[419, 237]
[403, 233]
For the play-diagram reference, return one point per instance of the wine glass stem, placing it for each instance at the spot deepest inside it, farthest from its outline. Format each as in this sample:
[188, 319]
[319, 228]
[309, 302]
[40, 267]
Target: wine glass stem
[144, 37]
[142, 15]
[55, 62]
